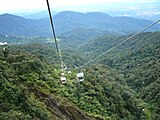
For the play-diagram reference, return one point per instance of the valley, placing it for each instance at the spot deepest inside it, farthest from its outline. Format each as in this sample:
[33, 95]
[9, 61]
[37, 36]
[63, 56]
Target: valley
[117, 86]
[123, 84]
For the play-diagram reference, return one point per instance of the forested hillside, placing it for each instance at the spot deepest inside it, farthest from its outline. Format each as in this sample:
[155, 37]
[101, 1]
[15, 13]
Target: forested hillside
[138, 60]
[27, 89]
[122, 85]
[30, 89]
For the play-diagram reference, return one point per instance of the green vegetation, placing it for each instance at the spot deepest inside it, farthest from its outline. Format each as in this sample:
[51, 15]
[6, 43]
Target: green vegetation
[138, 60]
[124, 85]
[27, 88]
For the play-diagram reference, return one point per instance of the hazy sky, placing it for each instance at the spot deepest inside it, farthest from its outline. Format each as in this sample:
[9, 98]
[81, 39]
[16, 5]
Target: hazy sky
[25, 5]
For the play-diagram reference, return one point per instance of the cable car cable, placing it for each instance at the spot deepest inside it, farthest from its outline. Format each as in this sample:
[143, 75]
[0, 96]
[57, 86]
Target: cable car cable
[52, 25]
[58, 52]
[142, 30]
[62, 65]
[54, 34]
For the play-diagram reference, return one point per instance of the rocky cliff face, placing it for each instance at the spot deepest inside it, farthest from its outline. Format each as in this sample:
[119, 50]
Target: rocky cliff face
[61, 109]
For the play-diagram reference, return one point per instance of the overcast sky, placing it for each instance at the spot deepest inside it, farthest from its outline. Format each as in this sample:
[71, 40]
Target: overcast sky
[26, 5]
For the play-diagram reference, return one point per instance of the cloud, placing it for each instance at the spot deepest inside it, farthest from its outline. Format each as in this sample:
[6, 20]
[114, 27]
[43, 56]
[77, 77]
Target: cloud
[126, 15]
[84, 2]
[9, 5]
[148, 13]
[18, 5]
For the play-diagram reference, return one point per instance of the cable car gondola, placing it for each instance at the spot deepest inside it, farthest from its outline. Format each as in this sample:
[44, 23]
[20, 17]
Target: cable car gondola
[63, 78]
[80, 76]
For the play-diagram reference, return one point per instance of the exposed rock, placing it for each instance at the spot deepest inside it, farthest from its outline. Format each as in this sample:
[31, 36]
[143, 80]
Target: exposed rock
[62, 110]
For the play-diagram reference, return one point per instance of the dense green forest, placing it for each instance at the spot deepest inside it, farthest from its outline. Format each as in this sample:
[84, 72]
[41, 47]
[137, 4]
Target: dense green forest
[122, 85]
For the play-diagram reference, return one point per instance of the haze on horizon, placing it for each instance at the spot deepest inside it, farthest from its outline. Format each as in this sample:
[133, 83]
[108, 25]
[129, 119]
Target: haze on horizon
[19, 6]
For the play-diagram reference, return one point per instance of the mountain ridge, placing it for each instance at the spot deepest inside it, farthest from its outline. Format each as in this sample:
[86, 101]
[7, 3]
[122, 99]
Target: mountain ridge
[67, 21]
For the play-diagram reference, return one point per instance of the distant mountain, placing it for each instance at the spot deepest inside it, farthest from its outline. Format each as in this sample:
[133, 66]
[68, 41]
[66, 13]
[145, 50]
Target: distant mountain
[39, 15]
[67, 21]
[15, 25]
[149, 10]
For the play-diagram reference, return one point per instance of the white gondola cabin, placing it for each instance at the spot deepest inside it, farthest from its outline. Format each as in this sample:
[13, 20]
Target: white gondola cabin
[80, 76]
[63, 80]
[69, 72]
[62, 74]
